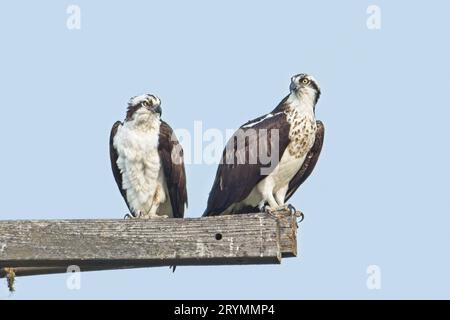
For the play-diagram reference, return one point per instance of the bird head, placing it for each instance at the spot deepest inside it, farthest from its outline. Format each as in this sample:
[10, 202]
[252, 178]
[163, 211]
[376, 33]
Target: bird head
[144, 108]
[304, 85]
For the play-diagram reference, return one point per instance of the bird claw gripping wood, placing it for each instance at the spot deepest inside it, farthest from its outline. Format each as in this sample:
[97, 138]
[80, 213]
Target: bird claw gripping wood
[10, 278]
[294, 212]
[299, 215]
[283, 209]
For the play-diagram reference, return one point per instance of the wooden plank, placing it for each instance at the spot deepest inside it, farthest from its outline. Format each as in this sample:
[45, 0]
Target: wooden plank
[242, 239]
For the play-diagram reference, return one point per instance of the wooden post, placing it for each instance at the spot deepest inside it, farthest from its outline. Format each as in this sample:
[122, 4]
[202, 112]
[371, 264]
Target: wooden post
[50, 246]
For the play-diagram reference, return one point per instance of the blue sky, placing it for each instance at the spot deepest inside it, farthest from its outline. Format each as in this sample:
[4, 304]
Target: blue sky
[378, 196]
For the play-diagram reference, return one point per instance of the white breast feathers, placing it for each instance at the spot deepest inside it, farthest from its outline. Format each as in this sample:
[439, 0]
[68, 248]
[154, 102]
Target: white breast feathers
[140, 166]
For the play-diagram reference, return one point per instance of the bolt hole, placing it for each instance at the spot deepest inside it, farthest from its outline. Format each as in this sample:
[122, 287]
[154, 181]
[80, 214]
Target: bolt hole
[218, 236]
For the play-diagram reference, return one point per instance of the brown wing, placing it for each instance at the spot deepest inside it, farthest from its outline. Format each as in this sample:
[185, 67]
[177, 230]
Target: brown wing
[235, 180]
[309, 163]
[171, 154]
[115, 169]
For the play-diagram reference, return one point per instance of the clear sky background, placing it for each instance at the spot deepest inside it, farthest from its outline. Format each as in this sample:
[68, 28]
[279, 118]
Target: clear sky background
[378, 196]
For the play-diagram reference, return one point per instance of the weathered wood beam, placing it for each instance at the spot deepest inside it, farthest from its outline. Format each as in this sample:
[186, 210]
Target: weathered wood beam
[49, 246]
[287, 224]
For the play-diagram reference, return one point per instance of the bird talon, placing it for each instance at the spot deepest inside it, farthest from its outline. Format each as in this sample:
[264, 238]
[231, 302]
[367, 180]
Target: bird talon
[128, 216]
[291, 209]
[300, 216]
[267, 209]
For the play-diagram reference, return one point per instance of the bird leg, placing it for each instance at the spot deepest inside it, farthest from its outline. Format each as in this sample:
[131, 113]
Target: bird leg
[275, 202]
[264, 208]
[269, 211]
[158, 198]
[280, 196]
[268, 203]
[152, 213]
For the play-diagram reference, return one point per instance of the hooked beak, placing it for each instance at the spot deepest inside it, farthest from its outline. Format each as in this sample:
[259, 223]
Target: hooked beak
[294, 86]
[156, 109]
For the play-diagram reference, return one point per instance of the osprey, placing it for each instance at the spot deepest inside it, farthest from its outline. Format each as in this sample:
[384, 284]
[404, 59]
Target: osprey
[147, 161]
[289, 135]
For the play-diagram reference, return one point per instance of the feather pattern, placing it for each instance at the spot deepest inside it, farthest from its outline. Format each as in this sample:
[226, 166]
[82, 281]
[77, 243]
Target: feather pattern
[172, 161]
[240, 187]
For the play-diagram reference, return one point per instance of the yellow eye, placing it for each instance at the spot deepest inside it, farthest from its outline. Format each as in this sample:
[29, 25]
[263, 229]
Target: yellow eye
[145, 103]
[305, 81]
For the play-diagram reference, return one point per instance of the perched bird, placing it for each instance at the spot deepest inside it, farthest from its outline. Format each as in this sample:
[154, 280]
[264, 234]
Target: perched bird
[289, 136]
[147, 161]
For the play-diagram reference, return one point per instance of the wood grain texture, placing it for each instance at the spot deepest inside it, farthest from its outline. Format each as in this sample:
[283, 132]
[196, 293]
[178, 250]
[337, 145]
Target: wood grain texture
[287, 225]
[114, 244]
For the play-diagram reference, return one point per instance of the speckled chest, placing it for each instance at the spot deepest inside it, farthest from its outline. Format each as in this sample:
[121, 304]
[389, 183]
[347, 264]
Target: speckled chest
[302, 132]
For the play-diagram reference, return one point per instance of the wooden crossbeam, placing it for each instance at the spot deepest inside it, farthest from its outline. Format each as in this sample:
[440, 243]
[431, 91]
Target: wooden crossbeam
[35, 247]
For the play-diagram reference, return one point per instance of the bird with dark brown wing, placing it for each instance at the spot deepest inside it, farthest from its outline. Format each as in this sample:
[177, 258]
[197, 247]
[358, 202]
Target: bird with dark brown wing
[147, 161]
[268, 158]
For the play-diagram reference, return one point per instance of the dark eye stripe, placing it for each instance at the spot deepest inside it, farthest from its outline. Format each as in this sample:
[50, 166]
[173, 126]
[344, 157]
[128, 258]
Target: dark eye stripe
[314, 85]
